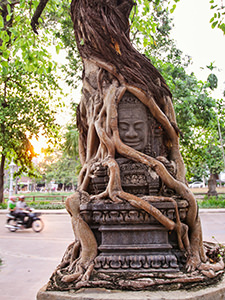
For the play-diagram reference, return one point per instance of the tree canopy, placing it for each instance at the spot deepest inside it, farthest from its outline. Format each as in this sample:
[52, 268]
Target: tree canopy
[28, 83]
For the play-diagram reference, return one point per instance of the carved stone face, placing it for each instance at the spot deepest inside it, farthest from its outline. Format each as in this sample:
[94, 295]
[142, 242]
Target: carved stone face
[133, 125]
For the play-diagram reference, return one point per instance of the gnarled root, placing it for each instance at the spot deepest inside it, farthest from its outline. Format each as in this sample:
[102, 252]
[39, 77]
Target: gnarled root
[105, 142]
[209, 269]
[85, 243]
[79, 274]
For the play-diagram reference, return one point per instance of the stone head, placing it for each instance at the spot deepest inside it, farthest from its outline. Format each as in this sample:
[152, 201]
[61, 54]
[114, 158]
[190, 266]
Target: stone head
[133, 122]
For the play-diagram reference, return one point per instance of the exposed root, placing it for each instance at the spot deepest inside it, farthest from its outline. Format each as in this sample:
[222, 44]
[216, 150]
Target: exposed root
[109, 140]
[80, 267]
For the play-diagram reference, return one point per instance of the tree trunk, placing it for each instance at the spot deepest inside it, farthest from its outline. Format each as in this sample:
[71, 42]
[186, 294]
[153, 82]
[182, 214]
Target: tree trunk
[115, 74]
[212, 185]
[2, 178]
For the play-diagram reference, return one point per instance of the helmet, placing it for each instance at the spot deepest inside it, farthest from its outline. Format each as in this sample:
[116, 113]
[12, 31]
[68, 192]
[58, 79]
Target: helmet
[21, 197]
[12, 198]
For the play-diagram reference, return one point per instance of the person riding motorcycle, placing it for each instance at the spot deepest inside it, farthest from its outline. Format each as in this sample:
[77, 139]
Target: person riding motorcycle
[12, 206]
[21, 216]
[22, 209]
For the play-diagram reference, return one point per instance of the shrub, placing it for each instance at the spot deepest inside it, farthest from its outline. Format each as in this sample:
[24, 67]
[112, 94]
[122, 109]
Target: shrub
[3, 205]
[212, 202]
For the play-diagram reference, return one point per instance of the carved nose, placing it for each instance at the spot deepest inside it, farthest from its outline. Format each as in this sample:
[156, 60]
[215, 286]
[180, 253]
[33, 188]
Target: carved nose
[131, 133]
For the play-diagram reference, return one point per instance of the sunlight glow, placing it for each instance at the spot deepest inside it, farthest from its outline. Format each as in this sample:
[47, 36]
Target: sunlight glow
[39, 146]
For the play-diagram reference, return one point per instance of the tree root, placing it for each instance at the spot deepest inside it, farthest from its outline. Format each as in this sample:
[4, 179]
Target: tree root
[80, 267]
[105, 141]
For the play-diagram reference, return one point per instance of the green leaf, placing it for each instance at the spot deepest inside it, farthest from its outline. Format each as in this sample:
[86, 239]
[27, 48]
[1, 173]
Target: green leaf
[8, 17]
[57, 48]
[1, 21]
[214, 24]
[9, 9]
[213, 81]
[222, 26]
[173, 8]
[145, 42]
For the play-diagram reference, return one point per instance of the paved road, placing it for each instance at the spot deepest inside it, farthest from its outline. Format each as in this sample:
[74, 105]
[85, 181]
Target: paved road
[29, 258]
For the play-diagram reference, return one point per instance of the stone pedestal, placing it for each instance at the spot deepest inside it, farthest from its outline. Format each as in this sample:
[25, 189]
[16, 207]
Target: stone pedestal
[135, 252]
[131, 240]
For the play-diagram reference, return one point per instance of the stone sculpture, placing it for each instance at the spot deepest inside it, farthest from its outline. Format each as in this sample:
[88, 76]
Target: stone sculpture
[137, 215]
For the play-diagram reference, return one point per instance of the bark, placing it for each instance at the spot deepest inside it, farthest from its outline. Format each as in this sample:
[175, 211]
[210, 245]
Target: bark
[212, 184]
[37, 14]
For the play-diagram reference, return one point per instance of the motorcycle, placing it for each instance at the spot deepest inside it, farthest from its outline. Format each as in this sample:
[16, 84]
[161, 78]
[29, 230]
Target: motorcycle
[31, 220]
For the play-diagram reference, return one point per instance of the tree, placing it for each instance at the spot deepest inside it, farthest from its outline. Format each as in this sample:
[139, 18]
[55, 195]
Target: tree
[60, 168]
[113, 68]
[27, 84]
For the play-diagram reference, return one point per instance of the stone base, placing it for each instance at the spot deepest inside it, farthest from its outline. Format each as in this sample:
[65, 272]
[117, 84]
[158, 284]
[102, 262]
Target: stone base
[133, 281]
[212, 292]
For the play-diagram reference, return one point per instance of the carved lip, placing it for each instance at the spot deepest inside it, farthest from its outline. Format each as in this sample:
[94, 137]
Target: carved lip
[132, 144]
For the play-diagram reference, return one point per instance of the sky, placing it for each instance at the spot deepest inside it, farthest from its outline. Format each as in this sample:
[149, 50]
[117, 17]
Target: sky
[195, 37]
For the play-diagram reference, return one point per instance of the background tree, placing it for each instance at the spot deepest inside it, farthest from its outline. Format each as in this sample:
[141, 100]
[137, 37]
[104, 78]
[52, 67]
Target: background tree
[27, 85]
[60, 169]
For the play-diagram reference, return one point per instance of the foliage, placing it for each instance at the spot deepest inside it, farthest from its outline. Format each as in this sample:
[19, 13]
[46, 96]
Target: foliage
[3, 205]
[71, 142]
[40, 205]
[59, 21]
[70, 145]
[46, 205]
[196, 111]
[151, 24]
[217, 20]
[28, 83]
[59, 168]
[212, 202]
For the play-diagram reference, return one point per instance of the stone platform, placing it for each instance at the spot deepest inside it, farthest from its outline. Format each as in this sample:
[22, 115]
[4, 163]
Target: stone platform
[214, 292]
[131, 240]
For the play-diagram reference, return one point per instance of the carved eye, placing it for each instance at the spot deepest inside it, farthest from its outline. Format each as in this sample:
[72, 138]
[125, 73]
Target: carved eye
[123, 126]
[138, 126]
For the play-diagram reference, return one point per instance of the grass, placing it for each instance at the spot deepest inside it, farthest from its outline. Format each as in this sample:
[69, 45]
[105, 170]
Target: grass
[212, 202]
[46, 205]
[54, 201]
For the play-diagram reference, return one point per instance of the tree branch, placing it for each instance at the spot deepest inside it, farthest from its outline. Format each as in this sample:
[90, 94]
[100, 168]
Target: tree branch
[37, 14]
